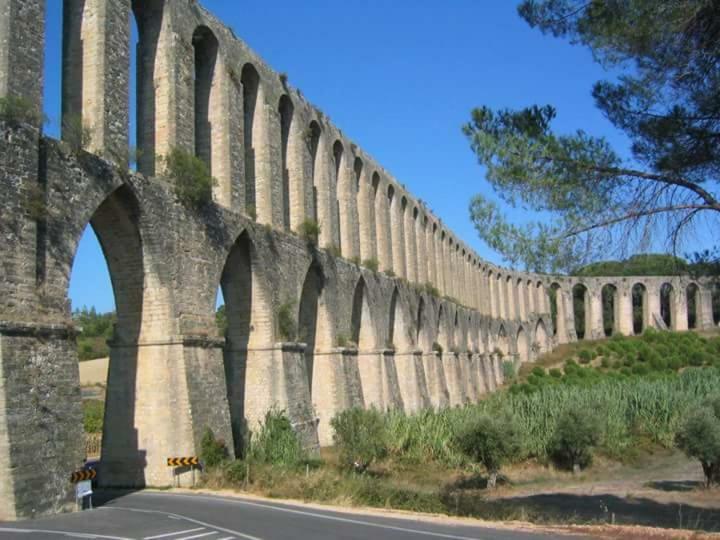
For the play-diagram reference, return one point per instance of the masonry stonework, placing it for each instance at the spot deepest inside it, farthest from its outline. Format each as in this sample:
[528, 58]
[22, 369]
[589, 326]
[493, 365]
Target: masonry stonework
[429, 328]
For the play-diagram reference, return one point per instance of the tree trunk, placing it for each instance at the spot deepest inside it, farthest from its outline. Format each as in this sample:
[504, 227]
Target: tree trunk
[712, 473]
[492, 480]
[576, 469]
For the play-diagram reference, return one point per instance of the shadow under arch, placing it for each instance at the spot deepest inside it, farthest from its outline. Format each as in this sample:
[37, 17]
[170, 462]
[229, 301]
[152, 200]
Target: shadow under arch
[361, 325]
[521, 344]
[129, 446]
[249, 323]
[313, 320]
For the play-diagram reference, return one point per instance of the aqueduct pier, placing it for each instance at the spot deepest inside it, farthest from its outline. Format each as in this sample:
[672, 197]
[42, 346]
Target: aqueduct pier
[389, 309]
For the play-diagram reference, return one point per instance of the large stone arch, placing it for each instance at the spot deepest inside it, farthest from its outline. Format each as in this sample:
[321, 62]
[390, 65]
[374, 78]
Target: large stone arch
[610, 299]
[522, 346]
[640, 308]
[692, 294]
[581, 311]
[541, 338]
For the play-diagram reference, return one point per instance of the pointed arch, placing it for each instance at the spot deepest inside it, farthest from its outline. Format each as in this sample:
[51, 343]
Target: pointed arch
[292, 196]
[667, 304]
[521, 344]
[361, 324]
[541, 338]
[422, 338]
[610, 309]
[314, 327]
[581, 309]
[252, 108]
[641, 313]
[692, 293]
[398, 335]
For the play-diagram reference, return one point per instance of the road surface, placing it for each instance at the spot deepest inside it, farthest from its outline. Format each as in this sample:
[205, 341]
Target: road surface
[171, 516]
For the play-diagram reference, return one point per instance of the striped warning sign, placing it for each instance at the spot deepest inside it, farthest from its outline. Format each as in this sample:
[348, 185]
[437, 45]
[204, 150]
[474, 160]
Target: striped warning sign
[182, 461]
[82, 476]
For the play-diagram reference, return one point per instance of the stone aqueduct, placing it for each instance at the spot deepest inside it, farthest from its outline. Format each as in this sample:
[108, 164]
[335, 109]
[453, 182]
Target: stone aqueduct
[364, 338]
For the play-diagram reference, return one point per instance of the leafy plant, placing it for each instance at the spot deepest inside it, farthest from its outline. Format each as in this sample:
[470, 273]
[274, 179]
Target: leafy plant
[576, 433]
[287, 328]
[309, 229]
[699, 438]
[212, 451]
[276, 442]
[191, 176]
[17, 110]
[371, 264]
[76, 133]
[359, 437]
[490, 441]
[93, 414]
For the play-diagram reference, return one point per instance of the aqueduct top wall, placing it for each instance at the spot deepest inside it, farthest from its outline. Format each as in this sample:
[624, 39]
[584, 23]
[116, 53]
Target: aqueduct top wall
[308, 331]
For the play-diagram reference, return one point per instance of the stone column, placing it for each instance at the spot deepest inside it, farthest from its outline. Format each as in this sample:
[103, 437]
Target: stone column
[96, 67]
[421, 250]
[624, 311]
[678, 305]
[435, 377]
[22, 50]
[453, 376]
[397, 218]
[593, 315]
[411, 376]
[520, 289]
[704, 308]
[325, 193]
[511, 314]
[347, 198]
[493, 295]
[366, 217]
[653, 307]
[382, 226]
[431, 255]
[410, 245]
[372, 373]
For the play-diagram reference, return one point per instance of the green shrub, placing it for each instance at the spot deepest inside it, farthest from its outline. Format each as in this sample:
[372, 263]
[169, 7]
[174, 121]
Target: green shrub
[699, 438]
[538, 371]
[584, 356]
[93, 413]
[309, 229]
[17, 110]
[276, 442]
[509, 371]
[490, 441]
[605, 362]
[76, 133]
[359, 437]
[212, 451]
[371, 264]
[576, 433]
[334, 250]
[432, 290]
[556, 373]
[191, 176]
[287, 328]
[437, 347]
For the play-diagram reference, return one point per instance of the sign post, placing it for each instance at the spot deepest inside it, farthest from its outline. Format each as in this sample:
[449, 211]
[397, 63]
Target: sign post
[176, 462]
[83, 486]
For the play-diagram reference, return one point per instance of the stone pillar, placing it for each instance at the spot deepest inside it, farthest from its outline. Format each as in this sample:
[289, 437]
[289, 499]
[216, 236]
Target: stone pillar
[372, 375]
[366, 217]
[299, 172]
[624, 311]
[563, 322]
[652, 302]
[678, 305]
[22, 50]
[410, 245]
[704, 307]
[501, 297]
[594, 315]
[509, 294]
[440, 262]
[336, 386]
[420, 249]
[411, 376]
[382, 225]
[454, 379]
[347, 199]
[325, 193]
[397, 218]
[431, 260]
[435, 377]
[522, 310]
[492, 295]
[466, 372]
[96, 71]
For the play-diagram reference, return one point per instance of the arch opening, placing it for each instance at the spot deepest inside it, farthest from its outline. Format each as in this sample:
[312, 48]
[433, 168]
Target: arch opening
[580, 308]
[693, 301]
[313, 321]
[609, 309]
[715, 301]
[639, 308]
[250, 81]
[286, 112]
[362, 334]
[667, 301]
[313, 145]
[522, 345]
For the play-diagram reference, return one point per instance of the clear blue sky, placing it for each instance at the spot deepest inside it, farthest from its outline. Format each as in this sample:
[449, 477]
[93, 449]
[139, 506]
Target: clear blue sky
[400, 77]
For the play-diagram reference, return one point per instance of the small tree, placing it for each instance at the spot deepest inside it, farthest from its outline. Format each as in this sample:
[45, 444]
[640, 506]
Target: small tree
[359, 437]
[576, 433]
[212, 451]
[699, 438]
[491, 442]
[193, 181]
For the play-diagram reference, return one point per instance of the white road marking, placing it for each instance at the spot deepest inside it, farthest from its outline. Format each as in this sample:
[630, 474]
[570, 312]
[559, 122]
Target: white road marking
[199, 535]
[226, 538]
[64, 533]
[320, 516]
[174, 533]
[178, 516]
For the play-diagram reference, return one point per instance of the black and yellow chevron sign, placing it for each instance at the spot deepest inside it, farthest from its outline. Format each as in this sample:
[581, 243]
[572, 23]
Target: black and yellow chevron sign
[182, 461]
[81, 476]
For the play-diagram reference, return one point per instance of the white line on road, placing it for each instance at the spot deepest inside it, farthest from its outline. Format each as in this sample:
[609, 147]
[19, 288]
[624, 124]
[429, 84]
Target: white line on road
[198, 535]
[320, 516]
[64, 533]
[178, 516]
[174, 533]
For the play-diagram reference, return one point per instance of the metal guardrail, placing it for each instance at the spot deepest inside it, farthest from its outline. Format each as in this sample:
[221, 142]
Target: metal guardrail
[93, 445]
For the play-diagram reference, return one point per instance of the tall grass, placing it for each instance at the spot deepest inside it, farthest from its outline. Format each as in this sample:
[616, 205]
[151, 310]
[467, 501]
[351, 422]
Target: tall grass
[630, 408]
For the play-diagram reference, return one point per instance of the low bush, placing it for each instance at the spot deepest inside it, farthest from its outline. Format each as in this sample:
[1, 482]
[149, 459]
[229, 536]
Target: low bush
[213, 451]
[371, 264]
[359, 437]
[93, 413]
[490, 441]
[276, 442]
[191, 176]
[576, 433]
[309, 229]
[287, 328]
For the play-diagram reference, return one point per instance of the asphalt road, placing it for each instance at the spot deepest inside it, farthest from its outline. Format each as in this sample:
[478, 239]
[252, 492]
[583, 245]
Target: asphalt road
[169, 516]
